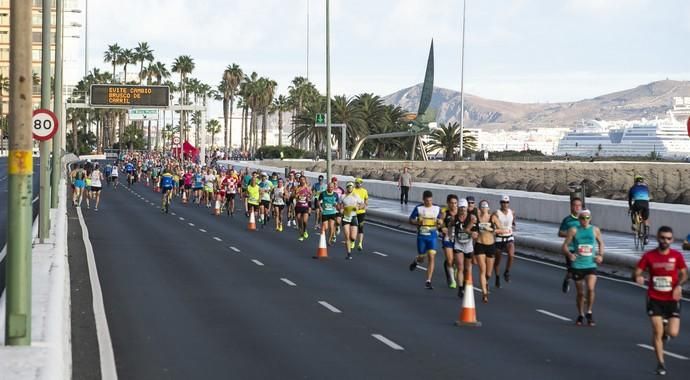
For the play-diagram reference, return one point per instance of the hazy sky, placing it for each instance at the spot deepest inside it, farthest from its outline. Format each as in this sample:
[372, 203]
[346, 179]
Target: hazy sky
[518, 50]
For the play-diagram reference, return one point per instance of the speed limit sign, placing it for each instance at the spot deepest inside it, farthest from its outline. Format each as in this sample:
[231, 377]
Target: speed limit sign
[176, 140]
[44, 124]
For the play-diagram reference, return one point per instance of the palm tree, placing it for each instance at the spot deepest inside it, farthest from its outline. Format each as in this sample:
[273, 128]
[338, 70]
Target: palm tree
[267, 89]
[126, 58]
[112, 55]
[301, 93]
[281, 105]
[446, 138]
[250, 93]
[142, 53]
[183, 65]
[213, 127]
[229, 87]
[160, 72]
[305, 129]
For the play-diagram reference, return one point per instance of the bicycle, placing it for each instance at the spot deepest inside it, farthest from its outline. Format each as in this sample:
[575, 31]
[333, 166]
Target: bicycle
[167, 199]
[640, 230]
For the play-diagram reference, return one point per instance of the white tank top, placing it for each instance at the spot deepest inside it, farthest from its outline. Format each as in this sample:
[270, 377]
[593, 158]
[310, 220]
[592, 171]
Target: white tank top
[506, 221]
[96, 179]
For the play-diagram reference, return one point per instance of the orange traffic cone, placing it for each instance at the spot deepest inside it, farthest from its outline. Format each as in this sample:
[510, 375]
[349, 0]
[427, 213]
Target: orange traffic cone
[468, 313]
[216, 208]
[184, 197]
[322, 251]
[252, 222]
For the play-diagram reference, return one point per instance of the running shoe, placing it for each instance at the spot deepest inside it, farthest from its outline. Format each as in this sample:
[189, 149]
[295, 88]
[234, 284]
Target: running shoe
[566, 285]
[337, 230]
[590, 320]
[359, 246]
[413, 266]
[506, 276]
[580, 320]
[661, 369]
[428, 285]
[352, 245]
[301, 238]
[498, 281]
[461, 292]
[348, 257]
[453, 285]
[485, 298]
[306, 234]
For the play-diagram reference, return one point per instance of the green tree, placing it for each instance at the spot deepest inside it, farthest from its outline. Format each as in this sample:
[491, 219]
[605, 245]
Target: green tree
[213, 127]
[141, 54]
[133, 137]
[112, 56]
[85, 142]
[184, 65]
[229, 88]
[280, 106]
[446, 139]
[126, 57]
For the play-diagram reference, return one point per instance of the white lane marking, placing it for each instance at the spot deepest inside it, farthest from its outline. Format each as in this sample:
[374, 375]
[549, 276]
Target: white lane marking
[181, 218]
[173, 214]
[105, 344]
[421, 267]
[330, 307]
[257, 262]
[671, 354]
[34, 200]
[235, 249]
[388, 342]
[380, 254]
[202, 230]
[216, 238]
[554, 315]
[285, 280]
[191, 224]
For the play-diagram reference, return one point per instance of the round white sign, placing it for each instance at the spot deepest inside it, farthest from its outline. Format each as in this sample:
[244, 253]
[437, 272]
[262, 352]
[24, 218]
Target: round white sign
[176, 140]
[44, 124]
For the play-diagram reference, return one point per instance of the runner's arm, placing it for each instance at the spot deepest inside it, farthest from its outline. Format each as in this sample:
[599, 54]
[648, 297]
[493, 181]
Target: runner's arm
[600, 240]
[565, 248]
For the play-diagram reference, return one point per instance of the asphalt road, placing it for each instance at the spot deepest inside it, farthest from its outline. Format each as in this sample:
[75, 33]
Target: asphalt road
[3, 209]
[191, 295]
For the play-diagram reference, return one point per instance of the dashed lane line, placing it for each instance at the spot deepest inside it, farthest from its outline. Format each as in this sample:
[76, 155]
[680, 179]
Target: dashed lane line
[181, 218]
[285, 280]
[388, 342]
[216, 238]
[330, 307]
[202, 230]
[257, 262]
[554, 315]
[380, 254]
[235, 249]
[671, 354]
[191, 224]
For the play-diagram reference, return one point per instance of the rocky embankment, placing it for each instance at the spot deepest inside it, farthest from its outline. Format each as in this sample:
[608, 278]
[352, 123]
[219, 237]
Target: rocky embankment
[669, 182]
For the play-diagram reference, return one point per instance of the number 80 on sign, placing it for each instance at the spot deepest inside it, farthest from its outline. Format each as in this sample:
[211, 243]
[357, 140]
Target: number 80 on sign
[44, 124]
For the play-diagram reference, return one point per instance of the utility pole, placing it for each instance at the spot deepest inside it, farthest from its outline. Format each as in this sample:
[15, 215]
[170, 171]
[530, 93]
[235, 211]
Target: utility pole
[57, 106]
[20, 170]
[45, 146]
[328, 89]
[462, 84]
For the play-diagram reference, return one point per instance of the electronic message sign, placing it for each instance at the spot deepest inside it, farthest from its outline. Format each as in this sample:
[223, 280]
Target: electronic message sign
[128, 96]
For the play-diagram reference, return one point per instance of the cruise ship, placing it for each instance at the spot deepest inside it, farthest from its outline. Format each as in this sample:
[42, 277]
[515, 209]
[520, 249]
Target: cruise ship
[667, 137]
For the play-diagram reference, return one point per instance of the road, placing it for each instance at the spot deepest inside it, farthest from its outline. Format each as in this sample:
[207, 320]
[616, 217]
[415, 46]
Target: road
[3, 210]
[191, 295]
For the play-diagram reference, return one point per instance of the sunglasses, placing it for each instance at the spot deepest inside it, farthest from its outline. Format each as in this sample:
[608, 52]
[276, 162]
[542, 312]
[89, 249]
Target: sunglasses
[586, 217]
[504, 202]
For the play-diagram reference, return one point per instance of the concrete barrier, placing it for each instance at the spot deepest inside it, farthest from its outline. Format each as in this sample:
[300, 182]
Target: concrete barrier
[610, 215]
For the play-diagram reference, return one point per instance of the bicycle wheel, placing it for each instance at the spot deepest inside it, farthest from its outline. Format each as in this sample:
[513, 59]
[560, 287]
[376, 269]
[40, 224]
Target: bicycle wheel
[636, 234]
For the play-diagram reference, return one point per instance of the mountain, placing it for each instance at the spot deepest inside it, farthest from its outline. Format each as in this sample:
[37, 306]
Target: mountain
[645, 101]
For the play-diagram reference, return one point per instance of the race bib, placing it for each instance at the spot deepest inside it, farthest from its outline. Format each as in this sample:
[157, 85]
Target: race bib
[584, 250]
[328, 207]
[424, 230]
[662, 283]
[484, 226]
[347, 218]
[463, 236]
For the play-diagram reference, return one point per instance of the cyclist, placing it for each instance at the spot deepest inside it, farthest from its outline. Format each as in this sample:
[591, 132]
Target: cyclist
[166, 185]
[667, 274]
[638, 202]
[588, 254]
[427, 217]
[129, 169]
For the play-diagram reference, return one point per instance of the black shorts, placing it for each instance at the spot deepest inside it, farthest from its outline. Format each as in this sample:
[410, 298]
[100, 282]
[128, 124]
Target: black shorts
[502, 245]
[353, 222]
[187, 187]
[485, 249]
[664, 309]
[280, 207]
[165, 189]
[266, 203]
[642, 207]
[197, 188]
[230, 196]
[301, 210]
[95, 189]
[580, 274]
[328, 217]
[360, 221]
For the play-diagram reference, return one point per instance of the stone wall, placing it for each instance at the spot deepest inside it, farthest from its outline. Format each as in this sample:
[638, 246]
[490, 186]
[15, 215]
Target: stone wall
[669, 182]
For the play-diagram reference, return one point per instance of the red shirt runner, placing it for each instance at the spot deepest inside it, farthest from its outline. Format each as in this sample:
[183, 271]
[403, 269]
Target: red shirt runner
[663, 273]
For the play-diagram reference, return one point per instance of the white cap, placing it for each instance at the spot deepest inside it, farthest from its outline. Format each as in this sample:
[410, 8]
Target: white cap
[505, 198]
[462, 203]
[584, 212]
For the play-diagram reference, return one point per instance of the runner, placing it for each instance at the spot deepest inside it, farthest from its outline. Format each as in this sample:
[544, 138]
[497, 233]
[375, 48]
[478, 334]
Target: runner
[361, 213]
[290, 186]
[246, 180]
[339, 215]
[328, 201]
[302, 195]
[209, 187]
[450, 214]
[316, 190]
[188, 179]
[667, 274]
[266, 190]
[129, 169]
[485, 247]
[108, 172]
[230, 185]
[87, 185]
[278, 200]
[471, 207]
[427, 217]
[464, 248]
[114, 175]
[569, 222]
[253, 196]
[197, 185]
[505, 241]
[96, 185]
[586, 240]
[349, 205]
[78, 177]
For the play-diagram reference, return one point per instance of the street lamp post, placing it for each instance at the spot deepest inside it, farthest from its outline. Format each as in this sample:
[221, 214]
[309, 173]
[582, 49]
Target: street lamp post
[462, 84]
[20, 174]
[45, 146]
[328, 89]
[57, 105]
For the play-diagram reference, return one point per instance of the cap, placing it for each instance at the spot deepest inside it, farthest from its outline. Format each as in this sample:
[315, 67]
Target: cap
[639, 178]
[462, 203]
[484, 204]
[350, 184]
[584, 213]
[359, 180]
[470, 198]
[505, 198]
[334, 179]
[263, 174]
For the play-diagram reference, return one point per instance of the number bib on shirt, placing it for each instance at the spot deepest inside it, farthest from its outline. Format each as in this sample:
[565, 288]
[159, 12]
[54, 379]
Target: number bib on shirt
[662, 283]
[584, 250]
